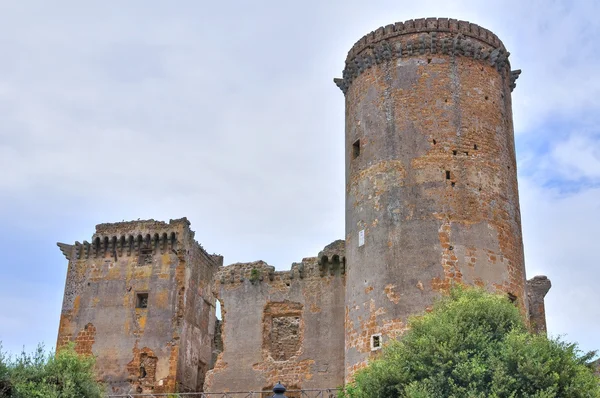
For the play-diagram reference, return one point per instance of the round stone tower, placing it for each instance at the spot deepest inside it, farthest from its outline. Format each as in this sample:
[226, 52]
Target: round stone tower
[431, 179]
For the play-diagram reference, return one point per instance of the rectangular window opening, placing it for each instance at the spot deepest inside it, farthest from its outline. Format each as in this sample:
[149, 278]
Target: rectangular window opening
[447, 174]
[356, 149]
[375, 342]
[145, 256]
[454, 153]
[141, 300]
[512, 298]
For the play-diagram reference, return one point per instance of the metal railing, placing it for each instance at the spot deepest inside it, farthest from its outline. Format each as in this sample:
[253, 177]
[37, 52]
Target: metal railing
[309, 393]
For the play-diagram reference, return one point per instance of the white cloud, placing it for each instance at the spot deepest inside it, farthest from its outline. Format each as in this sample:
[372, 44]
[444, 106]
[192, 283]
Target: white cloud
[560, 240]
[577, 157]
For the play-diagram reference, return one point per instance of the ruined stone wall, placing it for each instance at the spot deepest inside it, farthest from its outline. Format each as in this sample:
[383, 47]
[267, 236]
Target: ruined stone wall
[128, 297]
[431, 200]
[283, 326]
[431, 183]
[537, 287]
[199, 318]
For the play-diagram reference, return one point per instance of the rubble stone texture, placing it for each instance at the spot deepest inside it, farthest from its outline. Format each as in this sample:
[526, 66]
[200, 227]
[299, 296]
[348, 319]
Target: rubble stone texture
[431, 179]
[152, 344]
[431, 201]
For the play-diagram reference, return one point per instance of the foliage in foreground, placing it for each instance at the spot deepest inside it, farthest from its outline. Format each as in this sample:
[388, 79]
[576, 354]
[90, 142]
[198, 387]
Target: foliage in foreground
[475, 344]
[65, 375]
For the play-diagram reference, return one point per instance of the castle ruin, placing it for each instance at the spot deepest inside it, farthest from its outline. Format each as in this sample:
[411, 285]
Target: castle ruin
[431, 201]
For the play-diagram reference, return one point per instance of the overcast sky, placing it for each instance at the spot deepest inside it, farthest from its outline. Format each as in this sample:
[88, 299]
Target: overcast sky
[226, 113]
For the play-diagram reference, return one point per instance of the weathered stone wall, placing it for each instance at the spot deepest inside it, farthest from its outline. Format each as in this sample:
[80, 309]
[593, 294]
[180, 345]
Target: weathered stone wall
[199, 319]
[431, 200]
[131, 299]
[281, 326]
[537, 287]
[431, 179]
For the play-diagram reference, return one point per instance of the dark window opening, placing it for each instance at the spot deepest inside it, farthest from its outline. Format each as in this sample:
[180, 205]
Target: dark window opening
[453, 183]
[428, 60]
[356, 149]
[447, 174]
[466, 153]
[475, 146]
[142, 372]
[454, 153]
[434, 142]
[145, 256]
[486, 97]
[512, 298]
[200, 376]
[375, 341]
[142, 300]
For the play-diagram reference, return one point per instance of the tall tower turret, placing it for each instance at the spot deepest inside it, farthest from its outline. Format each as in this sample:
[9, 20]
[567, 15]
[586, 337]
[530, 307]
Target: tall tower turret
[431, 179]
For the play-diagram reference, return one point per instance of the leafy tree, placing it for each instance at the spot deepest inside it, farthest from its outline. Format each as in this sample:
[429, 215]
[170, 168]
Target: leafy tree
[64, 375]
[474, 344]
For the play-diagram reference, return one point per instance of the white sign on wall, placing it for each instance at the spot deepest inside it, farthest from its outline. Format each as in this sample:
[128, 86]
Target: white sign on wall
[361, 238]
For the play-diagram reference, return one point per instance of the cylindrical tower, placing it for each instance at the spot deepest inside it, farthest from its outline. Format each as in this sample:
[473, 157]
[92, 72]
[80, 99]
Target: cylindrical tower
[431, 179]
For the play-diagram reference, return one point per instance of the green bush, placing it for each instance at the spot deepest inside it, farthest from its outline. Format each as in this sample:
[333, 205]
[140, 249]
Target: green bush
[475, 344]
[64, 375]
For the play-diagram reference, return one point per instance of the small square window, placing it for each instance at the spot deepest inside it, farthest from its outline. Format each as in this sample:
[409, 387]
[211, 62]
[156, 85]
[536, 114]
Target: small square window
[356, 149]
[376, 342]
[145, 256]
[142, 300]
[512, 298]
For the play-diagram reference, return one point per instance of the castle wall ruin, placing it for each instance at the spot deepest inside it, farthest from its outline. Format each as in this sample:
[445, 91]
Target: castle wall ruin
[139, 298]
[283, 326]
[431, 201]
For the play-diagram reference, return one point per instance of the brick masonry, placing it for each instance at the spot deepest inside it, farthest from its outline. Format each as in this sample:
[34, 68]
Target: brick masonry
[431, 180]
[431, 201]
[283, 326]
[170, 336]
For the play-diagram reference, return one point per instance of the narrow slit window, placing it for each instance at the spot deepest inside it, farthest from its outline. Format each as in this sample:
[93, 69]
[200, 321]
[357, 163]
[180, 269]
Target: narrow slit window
[141, 300]
[356, 149]
[447, 174]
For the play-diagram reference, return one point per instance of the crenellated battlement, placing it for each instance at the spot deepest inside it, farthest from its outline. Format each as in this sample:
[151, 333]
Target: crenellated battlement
[333, 257]
[121, 245]
[140, 226]
[239, 272]
[133, 238]
[425, 36]
[424, 25]
[329, 261]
